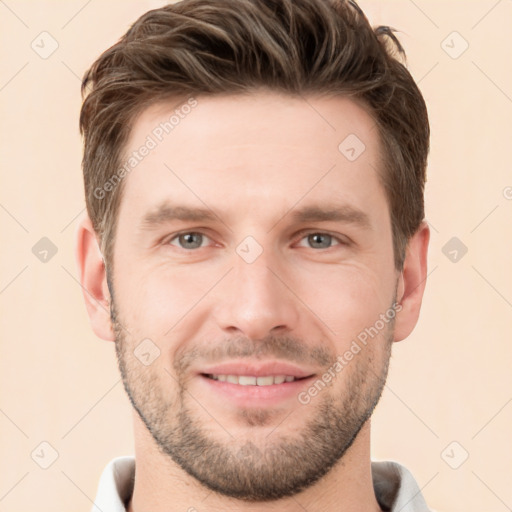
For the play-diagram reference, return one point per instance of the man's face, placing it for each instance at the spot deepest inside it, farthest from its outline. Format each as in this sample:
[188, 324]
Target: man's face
[252, 249]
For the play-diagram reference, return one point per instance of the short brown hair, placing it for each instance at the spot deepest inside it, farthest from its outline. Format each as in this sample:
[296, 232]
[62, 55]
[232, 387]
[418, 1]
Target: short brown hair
[298, 47]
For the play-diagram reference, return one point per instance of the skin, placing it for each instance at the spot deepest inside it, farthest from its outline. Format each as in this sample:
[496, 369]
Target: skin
[253, 161]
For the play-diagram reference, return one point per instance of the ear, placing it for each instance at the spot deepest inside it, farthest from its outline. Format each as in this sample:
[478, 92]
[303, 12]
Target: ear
[93, 279]
[411, 283]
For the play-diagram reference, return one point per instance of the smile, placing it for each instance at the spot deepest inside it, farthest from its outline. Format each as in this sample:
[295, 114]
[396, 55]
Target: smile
[250, 380]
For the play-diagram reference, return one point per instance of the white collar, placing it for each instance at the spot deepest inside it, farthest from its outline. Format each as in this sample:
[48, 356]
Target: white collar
[395, 487]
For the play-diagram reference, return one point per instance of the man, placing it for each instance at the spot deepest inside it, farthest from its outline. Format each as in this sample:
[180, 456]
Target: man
[255, 243]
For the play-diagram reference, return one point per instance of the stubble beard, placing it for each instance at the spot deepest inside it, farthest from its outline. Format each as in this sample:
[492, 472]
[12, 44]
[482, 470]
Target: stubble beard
[280, 466]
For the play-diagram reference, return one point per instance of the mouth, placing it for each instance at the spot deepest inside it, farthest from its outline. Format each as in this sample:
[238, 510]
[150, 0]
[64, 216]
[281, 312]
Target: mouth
[252, 380]
[259, 384]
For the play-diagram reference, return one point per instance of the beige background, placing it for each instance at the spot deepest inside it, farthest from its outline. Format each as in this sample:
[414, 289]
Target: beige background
[450, 381]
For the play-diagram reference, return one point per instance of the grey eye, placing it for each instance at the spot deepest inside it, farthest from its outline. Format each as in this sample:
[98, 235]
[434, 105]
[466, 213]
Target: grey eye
[320, 240]
[189, 240]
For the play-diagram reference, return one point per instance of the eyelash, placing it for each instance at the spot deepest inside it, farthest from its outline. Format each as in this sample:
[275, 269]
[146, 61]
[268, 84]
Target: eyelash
[337, 239]
[303, 235]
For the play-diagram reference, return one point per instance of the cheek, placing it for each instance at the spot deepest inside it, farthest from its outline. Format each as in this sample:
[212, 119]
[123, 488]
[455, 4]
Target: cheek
[347, 299]
[157, 300]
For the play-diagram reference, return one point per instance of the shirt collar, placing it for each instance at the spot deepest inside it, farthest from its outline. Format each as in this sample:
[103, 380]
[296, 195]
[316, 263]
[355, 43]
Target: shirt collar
[395, 487]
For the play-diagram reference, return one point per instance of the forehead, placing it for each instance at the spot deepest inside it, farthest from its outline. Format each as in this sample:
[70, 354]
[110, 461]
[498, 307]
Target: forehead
[247, 151]
[255, 118]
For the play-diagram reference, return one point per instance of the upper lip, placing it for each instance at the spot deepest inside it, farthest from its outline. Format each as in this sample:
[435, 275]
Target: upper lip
[257, 369]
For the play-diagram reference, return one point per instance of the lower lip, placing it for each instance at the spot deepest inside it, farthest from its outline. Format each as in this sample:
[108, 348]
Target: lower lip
[242, 396]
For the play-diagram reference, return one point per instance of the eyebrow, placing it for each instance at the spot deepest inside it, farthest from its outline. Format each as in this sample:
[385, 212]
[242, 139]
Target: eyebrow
[344, 213]
[166, 213]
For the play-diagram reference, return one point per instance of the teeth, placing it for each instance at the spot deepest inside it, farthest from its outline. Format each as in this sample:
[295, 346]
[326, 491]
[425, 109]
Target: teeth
[249, 380]
[266, 381]
[243, 380]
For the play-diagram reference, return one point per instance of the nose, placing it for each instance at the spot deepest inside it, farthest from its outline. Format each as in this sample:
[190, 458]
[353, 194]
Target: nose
[255, 300]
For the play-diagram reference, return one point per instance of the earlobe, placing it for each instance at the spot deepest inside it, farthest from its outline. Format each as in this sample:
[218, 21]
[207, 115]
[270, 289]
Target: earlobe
[93, 280]
[411, 283]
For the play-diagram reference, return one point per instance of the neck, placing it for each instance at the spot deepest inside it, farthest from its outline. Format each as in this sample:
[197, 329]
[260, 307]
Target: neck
[161, 485]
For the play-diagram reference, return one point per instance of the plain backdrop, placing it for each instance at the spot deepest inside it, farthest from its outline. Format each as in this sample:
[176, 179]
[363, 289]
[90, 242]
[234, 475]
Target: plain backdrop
[446, 412]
